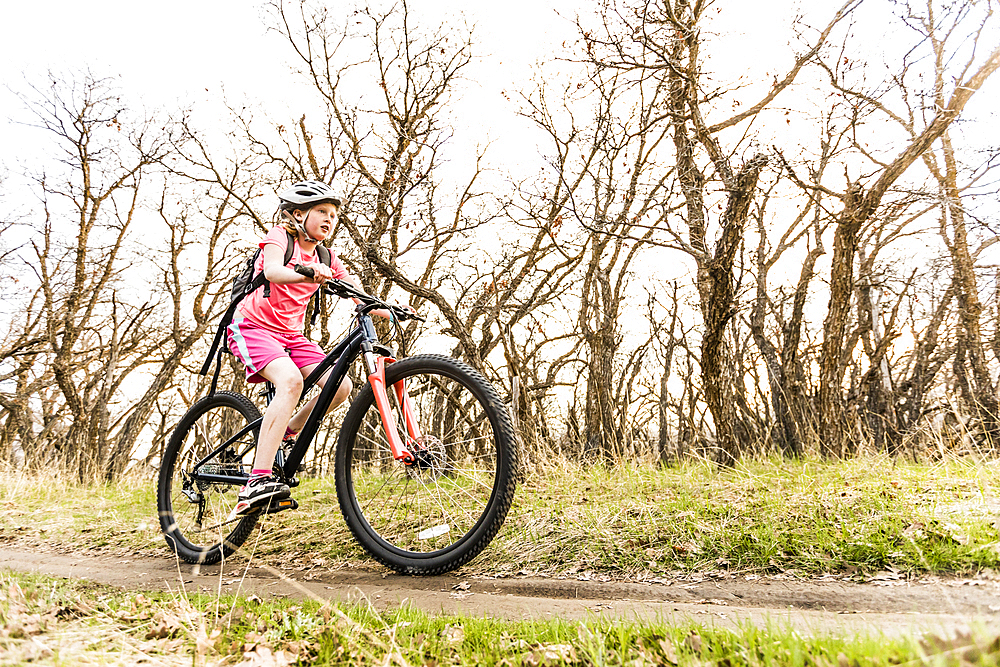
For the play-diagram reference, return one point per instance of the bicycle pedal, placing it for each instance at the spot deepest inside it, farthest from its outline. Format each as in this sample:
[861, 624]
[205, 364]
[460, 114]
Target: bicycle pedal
[281, 506]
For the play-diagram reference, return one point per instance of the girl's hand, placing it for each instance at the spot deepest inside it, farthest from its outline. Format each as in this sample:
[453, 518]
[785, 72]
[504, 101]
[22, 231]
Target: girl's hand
[321, 273]
[382, 312]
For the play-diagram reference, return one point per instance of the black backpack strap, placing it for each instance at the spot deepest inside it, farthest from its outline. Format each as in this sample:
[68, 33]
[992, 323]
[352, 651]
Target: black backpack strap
[220, 333]
[289, 249]
[325, 255]
[227, 319]
[215, 375]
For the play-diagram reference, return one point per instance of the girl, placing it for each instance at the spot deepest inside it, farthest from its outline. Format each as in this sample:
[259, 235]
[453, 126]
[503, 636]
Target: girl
[266, 333]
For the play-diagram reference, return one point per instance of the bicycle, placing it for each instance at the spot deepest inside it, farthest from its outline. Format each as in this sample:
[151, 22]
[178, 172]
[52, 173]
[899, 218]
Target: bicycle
[424, 472]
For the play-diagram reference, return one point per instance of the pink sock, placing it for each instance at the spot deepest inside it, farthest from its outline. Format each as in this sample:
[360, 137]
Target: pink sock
[260, 472]
[290, 432]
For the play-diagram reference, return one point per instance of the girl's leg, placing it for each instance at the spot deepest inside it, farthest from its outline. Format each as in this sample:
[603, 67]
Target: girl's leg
[296, 423]
[287, 381]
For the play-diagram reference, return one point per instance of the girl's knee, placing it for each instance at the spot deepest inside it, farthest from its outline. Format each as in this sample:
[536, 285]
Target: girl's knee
[292, 384]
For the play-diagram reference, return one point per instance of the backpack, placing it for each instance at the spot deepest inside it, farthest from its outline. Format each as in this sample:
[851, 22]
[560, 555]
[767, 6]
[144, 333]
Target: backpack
[244, 284]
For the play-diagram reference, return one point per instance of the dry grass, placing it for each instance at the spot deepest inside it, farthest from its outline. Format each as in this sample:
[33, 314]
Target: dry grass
[51, 622]
[630, 521]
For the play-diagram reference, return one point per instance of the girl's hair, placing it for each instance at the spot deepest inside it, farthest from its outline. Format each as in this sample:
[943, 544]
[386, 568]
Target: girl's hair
[289, 227]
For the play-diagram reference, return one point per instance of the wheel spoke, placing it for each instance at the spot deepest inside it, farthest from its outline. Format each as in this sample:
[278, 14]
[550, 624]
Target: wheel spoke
[194, 514]
[428, 507]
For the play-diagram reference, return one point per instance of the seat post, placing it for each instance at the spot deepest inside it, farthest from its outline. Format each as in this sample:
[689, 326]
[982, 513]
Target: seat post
[267, 392]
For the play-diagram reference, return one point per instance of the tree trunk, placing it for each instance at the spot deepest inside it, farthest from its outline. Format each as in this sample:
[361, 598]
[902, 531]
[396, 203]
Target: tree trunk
[718, 284]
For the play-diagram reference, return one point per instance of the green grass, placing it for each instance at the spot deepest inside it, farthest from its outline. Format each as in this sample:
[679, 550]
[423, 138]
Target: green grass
[810, 517]
[863, 515]
[53, 622]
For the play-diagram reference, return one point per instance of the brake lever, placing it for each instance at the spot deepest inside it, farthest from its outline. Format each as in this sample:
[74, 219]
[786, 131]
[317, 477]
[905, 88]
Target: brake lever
[339, 288]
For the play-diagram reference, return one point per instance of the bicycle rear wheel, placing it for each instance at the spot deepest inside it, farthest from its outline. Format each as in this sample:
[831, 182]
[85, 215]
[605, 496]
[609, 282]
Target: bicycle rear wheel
[435, 516]
[193, 513]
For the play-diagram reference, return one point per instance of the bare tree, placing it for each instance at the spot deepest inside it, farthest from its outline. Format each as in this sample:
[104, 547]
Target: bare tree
[860, 202]
[409, 230]
[665, 39]
[195, 300]
[609, 180]
[779, 347]
[94, 334]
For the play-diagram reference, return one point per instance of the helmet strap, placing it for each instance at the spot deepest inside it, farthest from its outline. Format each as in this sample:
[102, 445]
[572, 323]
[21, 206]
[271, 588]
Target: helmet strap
[301, 226]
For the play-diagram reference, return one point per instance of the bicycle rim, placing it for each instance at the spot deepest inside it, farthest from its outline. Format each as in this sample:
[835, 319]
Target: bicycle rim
[194, 514]
[433, 516]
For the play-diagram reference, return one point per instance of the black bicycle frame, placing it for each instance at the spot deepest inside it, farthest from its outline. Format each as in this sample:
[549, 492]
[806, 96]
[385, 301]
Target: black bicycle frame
[361, 339]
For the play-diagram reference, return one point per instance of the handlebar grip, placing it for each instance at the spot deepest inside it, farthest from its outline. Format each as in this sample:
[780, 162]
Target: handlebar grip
[305, 271]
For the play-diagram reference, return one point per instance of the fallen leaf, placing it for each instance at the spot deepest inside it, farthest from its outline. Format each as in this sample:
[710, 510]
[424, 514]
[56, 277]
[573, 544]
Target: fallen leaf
[263, 656]
[454, 633]
[205, 642]
[956, 533]
[550, 654]
[669, 652]
[687, 548]
[30, 651]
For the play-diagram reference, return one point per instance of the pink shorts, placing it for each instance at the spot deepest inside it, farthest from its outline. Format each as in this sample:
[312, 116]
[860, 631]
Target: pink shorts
[256, 347]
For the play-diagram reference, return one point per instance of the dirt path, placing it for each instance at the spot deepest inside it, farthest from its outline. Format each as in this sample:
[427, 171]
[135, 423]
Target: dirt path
[892, 606]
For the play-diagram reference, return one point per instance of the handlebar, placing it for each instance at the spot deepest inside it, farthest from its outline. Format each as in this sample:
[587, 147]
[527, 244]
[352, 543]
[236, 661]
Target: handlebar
[346, 290]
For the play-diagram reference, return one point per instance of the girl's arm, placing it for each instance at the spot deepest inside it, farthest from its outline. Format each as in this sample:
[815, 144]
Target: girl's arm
[279, 274]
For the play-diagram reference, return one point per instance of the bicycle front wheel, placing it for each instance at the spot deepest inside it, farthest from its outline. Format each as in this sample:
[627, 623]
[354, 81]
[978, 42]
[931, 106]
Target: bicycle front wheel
[435, 516]
[194, 512]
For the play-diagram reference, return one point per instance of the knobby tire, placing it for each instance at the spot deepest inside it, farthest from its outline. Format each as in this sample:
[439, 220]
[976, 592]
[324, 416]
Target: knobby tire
[433, 518]
[205, 426]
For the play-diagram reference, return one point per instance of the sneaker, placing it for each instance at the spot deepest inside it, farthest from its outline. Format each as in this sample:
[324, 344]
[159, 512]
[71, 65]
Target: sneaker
[257, 492]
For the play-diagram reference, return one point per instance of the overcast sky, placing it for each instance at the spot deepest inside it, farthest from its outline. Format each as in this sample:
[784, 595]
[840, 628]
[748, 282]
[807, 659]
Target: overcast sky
[169, 50]
[168, 53]
[183, 52]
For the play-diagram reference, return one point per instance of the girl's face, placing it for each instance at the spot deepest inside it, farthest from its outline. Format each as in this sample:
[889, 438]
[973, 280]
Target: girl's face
[320, 220]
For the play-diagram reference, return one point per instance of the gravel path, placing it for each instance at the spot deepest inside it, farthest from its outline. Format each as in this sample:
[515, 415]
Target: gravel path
[890, 605]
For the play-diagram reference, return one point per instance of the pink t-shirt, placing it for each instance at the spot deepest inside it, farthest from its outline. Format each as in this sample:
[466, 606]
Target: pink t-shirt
[285, 310]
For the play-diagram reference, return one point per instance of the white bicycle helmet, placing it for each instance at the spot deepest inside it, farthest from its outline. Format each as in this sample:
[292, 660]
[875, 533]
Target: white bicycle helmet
[304, 195]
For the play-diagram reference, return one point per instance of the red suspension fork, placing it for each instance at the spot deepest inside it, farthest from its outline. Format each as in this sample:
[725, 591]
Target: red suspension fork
[409, 411]
[376, 377]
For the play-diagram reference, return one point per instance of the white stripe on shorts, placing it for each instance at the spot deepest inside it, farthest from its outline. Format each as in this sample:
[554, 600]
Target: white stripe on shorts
[241, 343]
